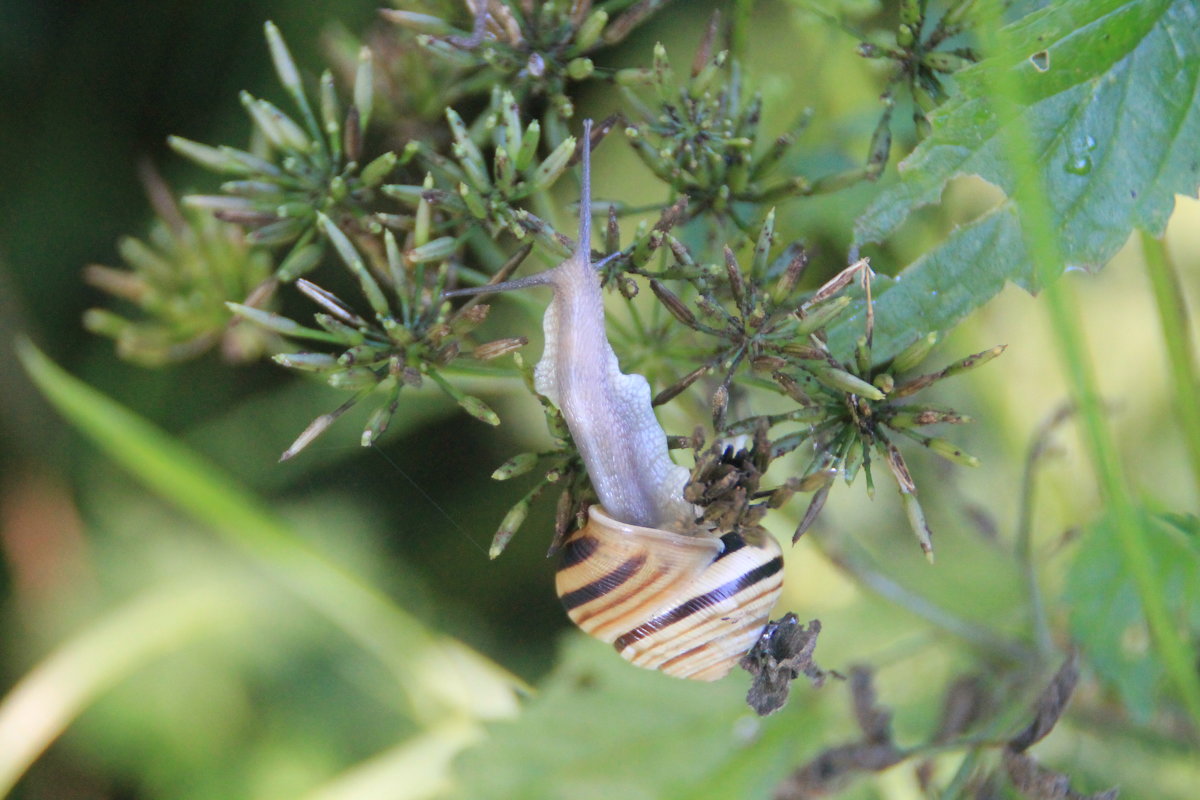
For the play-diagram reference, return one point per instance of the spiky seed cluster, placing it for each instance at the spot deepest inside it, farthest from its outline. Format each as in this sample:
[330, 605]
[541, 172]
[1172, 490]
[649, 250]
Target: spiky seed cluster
[536, 49]
[759, 322]
[179, 279]
[493, 169]
[921, 59]
[700, 137]
[412, 334]
[847, 408]
[303, 168]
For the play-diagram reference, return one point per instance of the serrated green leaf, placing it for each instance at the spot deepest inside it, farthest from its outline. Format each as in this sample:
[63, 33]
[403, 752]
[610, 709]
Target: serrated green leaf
[943, 286]
[1111, 106]
[1106, 613]
[1114, 117]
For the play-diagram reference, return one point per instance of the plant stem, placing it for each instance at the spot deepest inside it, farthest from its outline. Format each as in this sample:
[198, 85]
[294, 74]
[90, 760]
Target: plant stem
[1024, 539]
[465, 680]
[1177, 654]
[1177, 336]
[55, 692]
[890, 590]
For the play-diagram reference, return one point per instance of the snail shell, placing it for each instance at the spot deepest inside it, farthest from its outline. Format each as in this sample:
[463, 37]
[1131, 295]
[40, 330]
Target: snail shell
[687, 605]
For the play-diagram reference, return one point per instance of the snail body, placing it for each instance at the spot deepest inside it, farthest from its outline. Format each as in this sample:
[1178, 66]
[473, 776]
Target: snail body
[640, 574]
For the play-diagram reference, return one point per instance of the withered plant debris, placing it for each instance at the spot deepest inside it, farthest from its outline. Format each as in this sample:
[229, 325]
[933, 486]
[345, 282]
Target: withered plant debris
[1050, 705]
[782, 654]
[834, 768]
[967, 705]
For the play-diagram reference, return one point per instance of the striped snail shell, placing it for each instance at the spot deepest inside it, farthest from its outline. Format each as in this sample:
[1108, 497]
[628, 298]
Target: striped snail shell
[640, 575]
[687, 605]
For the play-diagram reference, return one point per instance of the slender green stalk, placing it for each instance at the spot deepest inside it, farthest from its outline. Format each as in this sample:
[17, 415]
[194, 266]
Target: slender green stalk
[435, 674]
[1177, 337]
[414, 769]
[1061, 303]
[886, 587]
[1024, 538]
[55, 692]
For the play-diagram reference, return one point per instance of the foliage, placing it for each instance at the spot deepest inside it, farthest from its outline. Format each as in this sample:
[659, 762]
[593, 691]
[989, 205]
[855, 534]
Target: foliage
[435, 154]
[1096, 77]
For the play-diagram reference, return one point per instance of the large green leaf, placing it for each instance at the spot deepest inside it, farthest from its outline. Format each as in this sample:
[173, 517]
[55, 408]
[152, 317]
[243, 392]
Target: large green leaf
[1107, 618]
[600, 728]
[1110, 101]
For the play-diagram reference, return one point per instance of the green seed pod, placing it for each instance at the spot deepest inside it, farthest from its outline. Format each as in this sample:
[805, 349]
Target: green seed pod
[971, 362]
[803, 352]
[473, 200]
[707, 74]
[663, 77]
[439, 249]
[821, 316]
[276, 322]
[548, 171]
[915, 353]
[843, 381]
[289, 76]
[589, 30]
[479, 410]
[406, 193]
[105, 323]
[862, 356]
[378, 422]
[506, 175]
[281, 232]
[364, 87]
[529, 146]
[916, 521]
[353, 378]
[421, 23]
[218, 160]
[945, 62]
[633, 77]
[280, 130]
[517, 465]
[579, 69]
[511, 523]
[354, 261]
[331, 113]
[467, 152]
[306, 362]
[374, 172]
[950, 451]
[423, 221]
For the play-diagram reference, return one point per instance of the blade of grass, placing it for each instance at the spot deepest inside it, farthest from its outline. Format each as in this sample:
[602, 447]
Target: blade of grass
[44, 702]
[412, 770]
[437, 675]
[1177, 337]
[1178, 654]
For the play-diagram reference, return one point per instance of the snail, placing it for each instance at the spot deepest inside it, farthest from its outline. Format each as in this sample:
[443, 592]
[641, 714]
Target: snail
[640, 575]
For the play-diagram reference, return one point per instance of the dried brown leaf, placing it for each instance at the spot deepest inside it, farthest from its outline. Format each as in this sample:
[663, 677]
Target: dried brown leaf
[1049, 706]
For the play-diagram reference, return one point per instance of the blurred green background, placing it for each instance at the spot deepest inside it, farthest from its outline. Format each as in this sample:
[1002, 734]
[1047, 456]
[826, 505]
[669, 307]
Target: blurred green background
[274, 700]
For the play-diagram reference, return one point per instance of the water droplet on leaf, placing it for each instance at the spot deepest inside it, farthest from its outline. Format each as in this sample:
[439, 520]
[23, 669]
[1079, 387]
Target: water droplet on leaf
[1040, 60]
[1078, 165]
